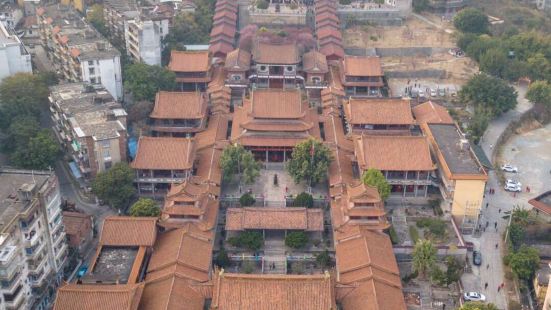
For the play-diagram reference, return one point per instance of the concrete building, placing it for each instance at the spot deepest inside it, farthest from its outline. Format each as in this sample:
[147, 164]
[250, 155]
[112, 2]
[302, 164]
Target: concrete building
[14, 57]
[91, 126]
[447, 6]
[117, 13]
[78, 51]
[79, 229]
[10, 14]
[543, 4]
[144, 34]
[33, 247]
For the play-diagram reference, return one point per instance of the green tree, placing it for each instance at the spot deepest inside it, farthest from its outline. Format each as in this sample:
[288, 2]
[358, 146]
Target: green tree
[145, 207]
[304, 200]
[438, 276]
[420, 5]
[478, 124]
[310, 161]
[478, 306]
[246, 200]
[494, 62]
[515, 70]
[424, 256]
[95, 17]
[539, 67]
[40, 153]
[471, 20]
[375, 178]
[20, 131]
[115, 186]
[539, 92]
[453, 270]
[489, 93]
[144, 81]
[222, 259]
[516, 233]
[251, 240]
[323, 259]
[296, 239]
[236, 160]
[524, 262]
[21, 94]
[262, 4]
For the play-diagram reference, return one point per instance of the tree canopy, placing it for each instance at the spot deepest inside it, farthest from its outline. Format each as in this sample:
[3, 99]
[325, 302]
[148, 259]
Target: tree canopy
[236, 160]
[251, 240]
[296, 239]
[304, 200]
[115, 186]
[524, 262]
[374, 177]
[478, 306]
[310, 161]
[539, 92]
[22, 94]
[145, 207]
[471, 20]
[144, 81]
[40, 152]
[489, 93]
[246, 200]
[424, 256]
[95, 17]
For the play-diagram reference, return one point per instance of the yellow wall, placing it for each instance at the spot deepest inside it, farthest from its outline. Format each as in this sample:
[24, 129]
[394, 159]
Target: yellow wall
[79, 5]
[468, 197]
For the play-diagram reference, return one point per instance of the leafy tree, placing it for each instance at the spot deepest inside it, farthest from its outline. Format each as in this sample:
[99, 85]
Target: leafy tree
[262, 4]
[471, 20]
[489, 94]
[20, 131]
[246, 200]
[310, 161]
[515, 70]
[483, 43]
[144, 81]
[478, 124]
[424, 256]
[420, 5]
[48, 78]
[222, 259]
[453, 270]
[438, 276]
[516, 233]
[539, 67]
[524, 262]
[95, 17]
[466, 39]
[40, 153]
[539, 92]
[374, 177]
[478, 306]
[494, 62]
[115, 186]
[236, 160]
[145, 207]
[304, 200]
[296, 239]
[21, 94]
[248, 267]
[323, 259]
[251, 240]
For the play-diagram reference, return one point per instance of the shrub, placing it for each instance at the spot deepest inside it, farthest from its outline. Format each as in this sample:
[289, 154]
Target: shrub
[393, 235]
[323, 259]
[297, 267]
[414, 234]
[247, 267]
[222, 258]
[435, 226]
[251, 240]
[262, 4]
[296, 239]
[247, 200]
[304, 200]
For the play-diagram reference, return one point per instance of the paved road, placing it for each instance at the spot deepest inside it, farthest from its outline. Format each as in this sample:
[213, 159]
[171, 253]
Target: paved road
[491, 270]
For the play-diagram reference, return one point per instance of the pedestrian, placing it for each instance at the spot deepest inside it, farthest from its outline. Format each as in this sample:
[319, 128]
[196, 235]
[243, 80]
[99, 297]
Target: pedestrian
[487, 223]
[502, 284]
[499, 211]
[487, 204]
[495, 225]
[496, 245]
[499, 288]
[486, 285]
[487, 266]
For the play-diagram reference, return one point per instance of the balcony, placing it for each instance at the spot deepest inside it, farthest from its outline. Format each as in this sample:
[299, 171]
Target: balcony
[7, 254]
[59, 237]
[33, 252]
[60, 251]
[15, 300]
[8, 287]
[36, 265]
[32, 238]
[39, 279]
[7, 272]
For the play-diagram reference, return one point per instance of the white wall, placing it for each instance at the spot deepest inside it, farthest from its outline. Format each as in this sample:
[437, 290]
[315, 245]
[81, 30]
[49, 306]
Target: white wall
[150, 43]
[108, 70]
[13, 59]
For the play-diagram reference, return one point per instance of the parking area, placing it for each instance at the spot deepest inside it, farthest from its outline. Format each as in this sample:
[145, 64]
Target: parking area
[443, 88]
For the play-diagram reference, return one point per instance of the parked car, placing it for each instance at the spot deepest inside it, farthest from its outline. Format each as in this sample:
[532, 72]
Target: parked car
[474, 296]
[433, 92]
[513, 188]
[513, 182]
[509, 168]
[421, 93]
[477, 258]
[441, 92]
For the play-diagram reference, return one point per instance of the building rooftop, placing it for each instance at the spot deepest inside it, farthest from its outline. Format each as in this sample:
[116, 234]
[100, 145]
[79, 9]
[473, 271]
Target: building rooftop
[276, 104]
[76, 222]
[238, 59]
[93, 297]
[362, 66]
[431, 113]
[542, 203]
[274, 218]
[8, 37]
[11, 181]
[114, 264]
[128, 231]
[378, 111]
[164, 153]
[455, 149]
[314, 62]
[276, 54]
[171, 292]
[179, 105]
[182, 61]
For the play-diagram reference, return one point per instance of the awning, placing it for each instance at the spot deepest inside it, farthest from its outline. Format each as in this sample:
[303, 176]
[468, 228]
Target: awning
[75, 170]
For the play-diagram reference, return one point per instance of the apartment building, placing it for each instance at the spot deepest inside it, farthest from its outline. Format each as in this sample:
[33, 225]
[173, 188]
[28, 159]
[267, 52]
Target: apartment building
[10, 14]
[14, 58]
[144, 34]
[33, 247]
[77, 50]
[91, 126]
[117, 13]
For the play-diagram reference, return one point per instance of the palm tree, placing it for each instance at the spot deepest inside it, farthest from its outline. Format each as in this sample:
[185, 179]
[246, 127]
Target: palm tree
[424, 256]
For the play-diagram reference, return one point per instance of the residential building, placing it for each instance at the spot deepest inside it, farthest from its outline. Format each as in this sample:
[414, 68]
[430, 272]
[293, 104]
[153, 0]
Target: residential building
[272, 122]
[14, 57]
[144, 34]
[178, 114]
[117, 13]
[362, 76]
[192, 69]
[90, 125]
[378, 116]
[275, 66]
[79, 228]
[542, 206]
[78, 51]
[461, 177]
[33, 247]
[162, 161]
[405, 161]
[10, 14]
[543, 4]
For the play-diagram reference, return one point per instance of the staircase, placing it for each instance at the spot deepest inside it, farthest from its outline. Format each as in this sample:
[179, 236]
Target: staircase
[274, 254]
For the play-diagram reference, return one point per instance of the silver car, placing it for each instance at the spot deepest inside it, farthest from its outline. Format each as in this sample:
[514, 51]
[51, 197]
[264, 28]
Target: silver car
[474, 296]
[509, 168]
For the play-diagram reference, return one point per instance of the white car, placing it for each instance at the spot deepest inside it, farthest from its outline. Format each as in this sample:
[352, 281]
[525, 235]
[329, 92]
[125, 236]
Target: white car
[421, 93]
[509, 168]
[512, 188]
[474, 296]
[513, 182]
[433, 92]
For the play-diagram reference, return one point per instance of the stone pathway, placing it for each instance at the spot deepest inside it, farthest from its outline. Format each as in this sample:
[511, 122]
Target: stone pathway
[274, 253]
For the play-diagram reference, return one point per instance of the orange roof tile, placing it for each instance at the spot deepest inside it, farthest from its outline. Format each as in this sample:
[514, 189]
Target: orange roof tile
[266, 292]
[362, 193]
[164, 153]
[217, 129]
[432, 113]
[314, 62]
[325, 32]
[184, 61]
[96, 296]
[362, 66]
[219, 48]
[393, 153]
[378, 112]
[274, 218]
[326, 16]
[171, 292]
[225, 14]
[238, 59]
[332, 49]
[225, 30]
[373, 295]
[128, 231]
[276, 104]
[282, 54]
[179, 105]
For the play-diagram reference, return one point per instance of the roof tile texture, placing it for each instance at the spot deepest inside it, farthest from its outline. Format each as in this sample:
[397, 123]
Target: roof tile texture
[379, 111]
[183, 61]
[179, 105]
[128, 231]
[362, 66]
[164, 153]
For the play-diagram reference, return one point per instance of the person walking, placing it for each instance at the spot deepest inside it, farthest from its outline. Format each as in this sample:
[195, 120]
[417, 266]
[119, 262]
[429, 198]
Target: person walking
[499, 288]
[486, 286]
[487, 266]
[499, 211]
[487, 205]
[495, 225]
[496, 245]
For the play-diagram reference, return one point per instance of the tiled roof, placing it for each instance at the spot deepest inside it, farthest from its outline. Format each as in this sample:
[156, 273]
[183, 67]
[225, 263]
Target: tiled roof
[314, 62]
[268, 292]
[362, 66]
[432, 113]
[216, 131]
[171, 292]
[96, 296]
[393, 153]
[164, 153]
[128, 231]
[541, 203]
[225, 30]
[332, 50]
[281, 54]
[274, 218]
[220, 47]
[188, 247]
[183, 61]
[225, 14]
[326, 16]
[373, 295]
[276, 104]
[328, 32]
[362, 193]
[179, 105]
[238, 59]
[378, 111]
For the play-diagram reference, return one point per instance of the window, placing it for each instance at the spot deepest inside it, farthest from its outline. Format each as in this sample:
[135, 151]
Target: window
[92, 71]
[106, 154]
[105, 144]
[263, 68]
[236, 77]
[316, 80]
[289, 68]
[107, 164]
[90, 62]
[93, 80]
[99, 80]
